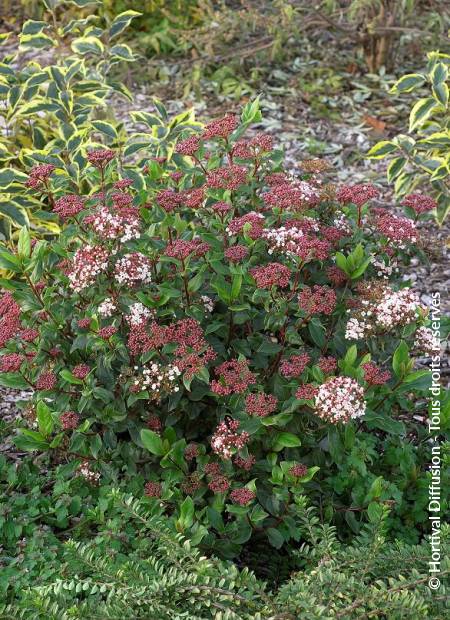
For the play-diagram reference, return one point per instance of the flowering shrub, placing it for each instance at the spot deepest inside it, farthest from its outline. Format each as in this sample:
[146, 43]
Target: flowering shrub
[234, 321]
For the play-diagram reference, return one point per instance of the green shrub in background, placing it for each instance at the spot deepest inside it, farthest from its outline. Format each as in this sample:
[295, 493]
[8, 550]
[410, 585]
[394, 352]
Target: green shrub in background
[51, 100]
[421, 158]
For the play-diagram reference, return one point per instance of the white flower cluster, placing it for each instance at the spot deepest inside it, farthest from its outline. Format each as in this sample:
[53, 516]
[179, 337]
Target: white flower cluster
[308, 190]
[340, 399]
[138, 314]
[133, 268]
[85, 470]
[107, 308]
[109, 225]
[383, 270]
[397, 308]
[88, 262]
[341, 222]
[158, 379]
[284, 240]
[394, 308]
[426, 341]
[208, 303]
[355, 329]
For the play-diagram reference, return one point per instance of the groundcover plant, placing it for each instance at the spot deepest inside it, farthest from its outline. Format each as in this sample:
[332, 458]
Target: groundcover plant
[244, 329]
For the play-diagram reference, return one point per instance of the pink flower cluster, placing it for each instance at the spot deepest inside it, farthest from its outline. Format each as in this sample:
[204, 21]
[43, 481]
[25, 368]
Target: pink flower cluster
[426, 341]
[153, 489]
[298, 470]
[307, 391]
[357, 194]
[11, 362]
[294, 365]
[219, 484]
[122, 225]
[382, 310]
[340, 399]
[39, 175]
[69, 420]
[9, 318]
[374, 375]
[250, 149]
[327, 364]
[182, 249]
[245, 462]
[317, 300]
[220, 127]
[46, 381]
[396, 229]
[260, 405]
[226, 438]
[233, 377]
[169, 199]
[242, 496]
[81, 371]
[336, 276]
[100, 158]
[68, 206]
[228, 177]
[295, 195]
[420, 203]
[252, 223]
[236, 253]
[273, 274]
[189, 146]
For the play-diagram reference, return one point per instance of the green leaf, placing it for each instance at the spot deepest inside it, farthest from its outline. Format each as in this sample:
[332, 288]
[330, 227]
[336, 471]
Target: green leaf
[24, 243]
[13, 380]
[421, 111]
[408, 82]
[121, 22]
[45, 420]
[68, 376]
[285, 440]
[400, 360]
[30, 440]
[358, 272]
[376, 419]
[439, 74]
[106, 128]
[251, 112]
[441, 93]
[236, 286]
[351, 355]
[341, 262]
[381, 149]
[123, 52]
[152, 442]
[33, 27]
[275, 538]
[374, 512]
[87, 45]
[36, 41]
[10, 262]
[395, 167]
[186, 513]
